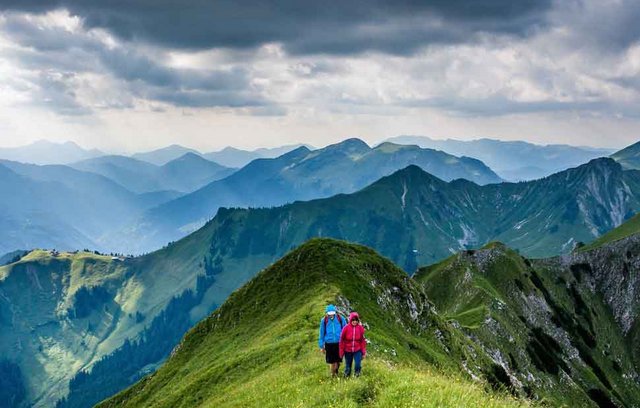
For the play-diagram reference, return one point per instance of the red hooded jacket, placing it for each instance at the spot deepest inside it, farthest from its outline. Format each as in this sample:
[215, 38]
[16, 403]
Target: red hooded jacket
[352, 337]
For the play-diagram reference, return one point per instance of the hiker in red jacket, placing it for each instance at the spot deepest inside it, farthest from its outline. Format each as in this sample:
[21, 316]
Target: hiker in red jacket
[353, 345]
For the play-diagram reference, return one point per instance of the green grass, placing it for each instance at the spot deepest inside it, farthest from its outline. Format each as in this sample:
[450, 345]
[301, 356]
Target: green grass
[502, 300]
[630, 227]
[305, 383]
[471, 318]
[259, 348]
[280, 366]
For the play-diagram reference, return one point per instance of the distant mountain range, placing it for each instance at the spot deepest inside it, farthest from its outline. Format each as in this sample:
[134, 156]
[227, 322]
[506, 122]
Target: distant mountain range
[542, 330]
[74, 206]
[119, 318]
[76, 327]
[45, 152]
[185, 174]
[232, 157]
[56, 206]
[415, 218]
[163, 214]
[164, 155]
[122, 188]
[228, 157]
[298, 175]
[513, 161]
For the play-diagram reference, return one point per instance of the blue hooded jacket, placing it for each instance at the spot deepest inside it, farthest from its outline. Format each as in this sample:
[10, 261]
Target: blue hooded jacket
[333, 330]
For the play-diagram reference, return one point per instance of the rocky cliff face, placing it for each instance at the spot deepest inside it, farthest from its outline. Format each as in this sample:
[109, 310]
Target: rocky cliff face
[562, 328]
[613, 271]
[546, 330]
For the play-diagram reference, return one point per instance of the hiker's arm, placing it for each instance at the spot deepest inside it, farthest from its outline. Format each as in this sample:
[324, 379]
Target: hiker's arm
[321, 336]
[363, 345]
[341, 342]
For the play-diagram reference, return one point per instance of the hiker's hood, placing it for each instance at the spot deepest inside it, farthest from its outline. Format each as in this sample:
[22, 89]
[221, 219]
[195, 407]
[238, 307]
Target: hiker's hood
[353, 315]
[330, 308]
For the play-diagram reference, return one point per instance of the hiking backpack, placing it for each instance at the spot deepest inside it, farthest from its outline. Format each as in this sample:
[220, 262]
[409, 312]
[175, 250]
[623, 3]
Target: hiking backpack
[341, 319]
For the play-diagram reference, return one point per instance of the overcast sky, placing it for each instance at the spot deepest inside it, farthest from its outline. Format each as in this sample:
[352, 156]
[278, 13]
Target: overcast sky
[126, 75]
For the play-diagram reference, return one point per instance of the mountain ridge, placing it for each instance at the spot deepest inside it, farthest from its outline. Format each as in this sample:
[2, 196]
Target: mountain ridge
[629, 157]
[192, 276]
[512, 160]
[317, 272]
[56, 205]
[229, 156]
[532, 359]
[301, 174]
[184, 174]
[44, 152]
[161, 294]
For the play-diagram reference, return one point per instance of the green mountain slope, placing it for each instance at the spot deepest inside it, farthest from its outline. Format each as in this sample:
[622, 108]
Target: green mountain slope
[259, 347]
[12, 257]
[298, 175]
[410, 217]
[62, 313]
[416, 219]
[547, 330]
[552, 323]
[629, 157]
[630, 227]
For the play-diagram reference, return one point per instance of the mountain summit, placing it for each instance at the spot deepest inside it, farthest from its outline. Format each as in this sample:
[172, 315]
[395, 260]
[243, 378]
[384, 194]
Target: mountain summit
[512, 160]
[300, 174]
[259, 348]
[119, 318]
[539, 329]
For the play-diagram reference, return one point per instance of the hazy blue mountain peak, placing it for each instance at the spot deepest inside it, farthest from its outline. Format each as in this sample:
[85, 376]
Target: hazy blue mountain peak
[46, 152]
[164, 155]
[629, 157]
[189, 157]
[512, 160]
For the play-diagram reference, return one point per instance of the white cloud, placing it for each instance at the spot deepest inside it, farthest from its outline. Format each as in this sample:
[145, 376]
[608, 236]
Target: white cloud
[573, 80]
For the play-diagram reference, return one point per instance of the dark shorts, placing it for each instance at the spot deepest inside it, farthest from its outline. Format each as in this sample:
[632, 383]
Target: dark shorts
[332, 353]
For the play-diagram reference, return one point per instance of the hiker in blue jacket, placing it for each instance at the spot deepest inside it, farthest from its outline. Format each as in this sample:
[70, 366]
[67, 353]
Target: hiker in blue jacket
[330, 329]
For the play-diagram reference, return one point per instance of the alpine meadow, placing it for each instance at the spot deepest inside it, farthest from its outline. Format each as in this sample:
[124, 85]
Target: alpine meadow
[416, 204]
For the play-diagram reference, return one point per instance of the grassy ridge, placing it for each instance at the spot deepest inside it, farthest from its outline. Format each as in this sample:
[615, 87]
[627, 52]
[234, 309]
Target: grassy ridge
[542, 319]
[259, 348]
[630, 227]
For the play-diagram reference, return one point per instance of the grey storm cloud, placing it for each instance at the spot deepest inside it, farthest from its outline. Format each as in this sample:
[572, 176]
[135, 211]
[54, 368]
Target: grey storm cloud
[59, 55]
[125, 63]
[481, 57]
[303, 27]
[607, 25]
